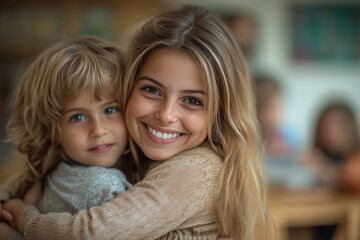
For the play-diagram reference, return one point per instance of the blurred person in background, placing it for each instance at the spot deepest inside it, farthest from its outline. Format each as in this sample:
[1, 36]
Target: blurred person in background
[336, 146]
[335, 154]
[243, 27]
[281, 143]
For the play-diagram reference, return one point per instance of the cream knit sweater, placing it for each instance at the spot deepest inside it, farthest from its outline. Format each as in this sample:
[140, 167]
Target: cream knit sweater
[176, 200]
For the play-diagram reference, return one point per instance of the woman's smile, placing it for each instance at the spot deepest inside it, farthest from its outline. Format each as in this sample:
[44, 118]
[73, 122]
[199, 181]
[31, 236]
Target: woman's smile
[162, 136]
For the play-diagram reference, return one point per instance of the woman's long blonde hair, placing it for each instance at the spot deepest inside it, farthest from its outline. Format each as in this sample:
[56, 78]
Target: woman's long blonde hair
[233, 130]
[57, 75]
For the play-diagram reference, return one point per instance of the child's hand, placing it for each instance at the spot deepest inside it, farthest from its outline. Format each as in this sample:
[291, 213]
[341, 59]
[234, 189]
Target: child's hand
[15, 207]
[5, 231]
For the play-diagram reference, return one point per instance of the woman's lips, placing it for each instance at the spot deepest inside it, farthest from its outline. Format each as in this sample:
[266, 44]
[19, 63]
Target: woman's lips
[162, 137]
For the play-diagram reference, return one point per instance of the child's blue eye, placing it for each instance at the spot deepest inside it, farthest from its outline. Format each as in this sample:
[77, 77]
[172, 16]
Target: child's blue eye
[110, 110]
[151, 90]
[77, 118]
[193, 101]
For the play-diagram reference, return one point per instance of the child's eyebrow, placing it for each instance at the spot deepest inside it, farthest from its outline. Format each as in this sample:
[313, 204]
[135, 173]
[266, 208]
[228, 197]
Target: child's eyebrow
[77, 109]
[111, 102]
[72, 110]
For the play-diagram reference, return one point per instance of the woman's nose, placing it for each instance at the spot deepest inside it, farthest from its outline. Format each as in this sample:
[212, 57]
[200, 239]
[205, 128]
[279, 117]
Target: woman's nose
[167, 113]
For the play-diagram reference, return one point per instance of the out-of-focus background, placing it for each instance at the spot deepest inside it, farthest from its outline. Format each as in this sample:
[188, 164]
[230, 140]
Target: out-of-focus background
[304, 57]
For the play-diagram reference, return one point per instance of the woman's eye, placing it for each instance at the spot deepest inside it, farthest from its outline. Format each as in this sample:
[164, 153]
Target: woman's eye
[77, 118]
[110, 110]
[151, 90]
[193, 101]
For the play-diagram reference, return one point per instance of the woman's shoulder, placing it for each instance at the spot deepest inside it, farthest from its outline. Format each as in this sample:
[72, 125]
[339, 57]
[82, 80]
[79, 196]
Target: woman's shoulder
[203, 153]
[198, 161]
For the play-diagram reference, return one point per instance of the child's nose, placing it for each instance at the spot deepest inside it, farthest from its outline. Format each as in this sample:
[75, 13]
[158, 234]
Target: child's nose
[98, 128]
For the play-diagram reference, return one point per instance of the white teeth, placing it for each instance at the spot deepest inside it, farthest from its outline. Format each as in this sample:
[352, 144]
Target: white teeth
[162, 135]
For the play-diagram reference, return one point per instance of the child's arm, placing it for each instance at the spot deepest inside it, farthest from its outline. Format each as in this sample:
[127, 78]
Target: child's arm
[170, 194]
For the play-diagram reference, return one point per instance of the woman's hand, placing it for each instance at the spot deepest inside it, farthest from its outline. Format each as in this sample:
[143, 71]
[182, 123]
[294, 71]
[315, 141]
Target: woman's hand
[15, 207]
[5, 231]
[4, 215]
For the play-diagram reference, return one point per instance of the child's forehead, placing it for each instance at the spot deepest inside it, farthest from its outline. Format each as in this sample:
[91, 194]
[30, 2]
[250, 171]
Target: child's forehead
[86, 95]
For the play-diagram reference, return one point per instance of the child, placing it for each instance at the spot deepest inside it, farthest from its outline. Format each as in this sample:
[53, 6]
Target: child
[67, 121]
[190, 113]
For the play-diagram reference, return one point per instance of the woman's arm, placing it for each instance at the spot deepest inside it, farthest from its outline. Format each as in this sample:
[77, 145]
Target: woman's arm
[170, 194]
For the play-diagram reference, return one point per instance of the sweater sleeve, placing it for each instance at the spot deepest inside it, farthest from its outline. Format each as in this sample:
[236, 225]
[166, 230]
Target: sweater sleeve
[171, 193]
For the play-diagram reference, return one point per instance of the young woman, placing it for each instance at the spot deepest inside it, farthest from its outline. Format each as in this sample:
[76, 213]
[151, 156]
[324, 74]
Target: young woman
[191, 116]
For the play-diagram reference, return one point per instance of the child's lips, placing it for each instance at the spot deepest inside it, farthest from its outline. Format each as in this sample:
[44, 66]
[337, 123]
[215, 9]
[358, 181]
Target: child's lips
[101, 148]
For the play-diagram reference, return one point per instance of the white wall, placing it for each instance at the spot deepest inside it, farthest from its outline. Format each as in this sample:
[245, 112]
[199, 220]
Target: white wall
[307, 86]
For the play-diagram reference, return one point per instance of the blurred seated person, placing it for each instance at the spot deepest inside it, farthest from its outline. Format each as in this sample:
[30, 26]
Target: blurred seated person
[279, 141]
[335, 149]
[350, 177]
[282, 146]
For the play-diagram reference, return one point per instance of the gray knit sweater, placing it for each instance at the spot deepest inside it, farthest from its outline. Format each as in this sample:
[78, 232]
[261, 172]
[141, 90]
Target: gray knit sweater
[73, 187]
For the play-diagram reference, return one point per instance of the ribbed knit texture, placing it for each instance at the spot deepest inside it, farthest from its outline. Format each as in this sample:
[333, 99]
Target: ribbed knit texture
[71, 188]
[176, 200]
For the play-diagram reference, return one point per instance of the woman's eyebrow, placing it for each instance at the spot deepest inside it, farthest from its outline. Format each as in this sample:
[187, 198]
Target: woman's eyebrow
[189, 91]
[152, 80]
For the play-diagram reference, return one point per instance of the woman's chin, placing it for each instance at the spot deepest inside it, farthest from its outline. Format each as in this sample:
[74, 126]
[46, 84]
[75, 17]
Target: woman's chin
[159, 155]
